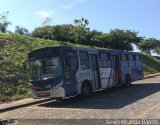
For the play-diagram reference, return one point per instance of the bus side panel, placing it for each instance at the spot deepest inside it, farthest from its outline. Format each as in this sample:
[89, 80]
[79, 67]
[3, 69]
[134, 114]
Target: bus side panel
[70, 86]
[137, 72]
[105, 76]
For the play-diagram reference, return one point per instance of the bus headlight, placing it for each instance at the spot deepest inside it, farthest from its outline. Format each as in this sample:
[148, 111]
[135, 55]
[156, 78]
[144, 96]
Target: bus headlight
[48, 86]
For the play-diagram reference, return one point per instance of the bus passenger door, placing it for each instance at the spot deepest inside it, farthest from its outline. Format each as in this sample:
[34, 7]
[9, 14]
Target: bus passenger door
[116, 69]
[95, 70]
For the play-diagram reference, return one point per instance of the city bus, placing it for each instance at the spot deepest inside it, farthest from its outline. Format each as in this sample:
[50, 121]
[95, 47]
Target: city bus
[63, 71]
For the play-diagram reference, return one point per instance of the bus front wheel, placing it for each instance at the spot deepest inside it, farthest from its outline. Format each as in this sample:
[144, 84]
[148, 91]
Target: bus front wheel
[86, 90]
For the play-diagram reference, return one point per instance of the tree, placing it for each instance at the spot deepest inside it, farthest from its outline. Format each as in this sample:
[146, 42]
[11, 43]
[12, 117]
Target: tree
[100, 40]
[62, 32]
[44, 32]
[4, 23]
[122, 39]
[150, 45]
[82, 23]
[79, 32]
[21, 30]
[92, 37]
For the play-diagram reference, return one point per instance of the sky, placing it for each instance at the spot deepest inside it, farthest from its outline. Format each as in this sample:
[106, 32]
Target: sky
[142, 16]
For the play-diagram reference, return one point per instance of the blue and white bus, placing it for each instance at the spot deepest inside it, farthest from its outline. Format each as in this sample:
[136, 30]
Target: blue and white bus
[63, 71]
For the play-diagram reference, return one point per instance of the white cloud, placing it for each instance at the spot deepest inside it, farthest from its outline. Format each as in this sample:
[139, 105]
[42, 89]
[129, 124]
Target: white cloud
[70, 5]
[44, 14]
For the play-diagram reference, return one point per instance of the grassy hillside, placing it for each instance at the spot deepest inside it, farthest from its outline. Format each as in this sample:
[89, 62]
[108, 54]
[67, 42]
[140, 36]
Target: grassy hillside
[14, 50]
[151, 64]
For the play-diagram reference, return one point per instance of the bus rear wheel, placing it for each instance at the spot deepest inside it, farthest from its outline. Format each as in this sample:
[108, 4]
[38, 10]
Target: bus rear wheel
[127, 81]
[86, 90]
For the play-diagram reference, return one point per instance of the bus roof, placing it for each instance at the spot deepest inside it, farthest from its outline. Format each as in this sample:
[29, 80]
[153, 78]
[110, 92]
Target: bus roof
[116, 52]
[64, 49]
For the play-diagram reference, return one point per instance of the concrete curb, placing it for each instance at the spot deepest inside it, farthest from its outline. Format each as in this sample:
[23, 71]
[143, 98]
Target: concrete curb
[152, 75]
[23, 105]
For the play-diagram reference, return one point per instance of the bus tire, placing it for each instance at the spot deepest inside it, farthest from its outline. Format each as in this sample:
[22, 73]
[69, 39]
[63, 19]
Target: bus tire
[127, 81]
[86, 90]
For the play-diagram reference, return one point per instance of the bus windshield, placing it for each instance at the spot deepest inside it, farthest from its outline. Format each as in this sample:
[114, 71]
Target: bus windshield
[43, 69]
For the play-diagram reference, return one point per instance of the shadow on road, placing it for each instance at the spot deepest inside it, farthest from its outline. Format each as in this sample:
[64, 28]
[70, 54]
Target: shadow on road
[108, 99]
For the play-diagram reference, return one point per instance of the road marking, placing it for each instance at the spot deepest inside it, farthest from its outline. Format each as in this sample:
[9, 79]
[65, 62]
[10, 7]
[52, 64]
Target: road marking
[149, 110]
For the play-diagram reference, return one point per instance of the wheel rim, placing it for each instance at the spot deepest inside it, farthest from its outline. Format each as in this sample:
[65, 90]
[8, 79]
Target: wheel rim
[86, 90]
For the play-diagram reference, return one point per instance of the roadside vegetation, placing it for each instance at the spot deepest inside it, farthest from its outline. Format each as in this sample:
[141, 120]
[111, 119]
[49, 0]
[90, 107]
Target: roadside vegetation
[14, 47]
[151, 64]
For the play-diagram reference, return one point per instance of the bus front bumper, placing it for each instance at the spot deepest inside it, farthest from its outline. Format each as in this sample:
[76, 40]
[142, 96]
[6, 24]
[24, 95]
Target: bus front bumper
[53, 92]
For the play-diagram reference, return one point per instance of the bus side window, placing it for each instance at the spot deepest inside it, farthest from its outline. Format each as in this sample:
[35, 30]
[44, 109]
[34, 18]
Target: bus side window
[104, 60]
[138, 60]
[84, 60]
[124, 61]
[70, 65]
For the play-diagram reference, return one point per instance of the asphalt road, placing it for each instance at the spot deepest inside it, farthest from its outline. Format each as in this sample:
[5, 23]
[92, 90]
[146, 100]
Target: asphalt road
[140, 101]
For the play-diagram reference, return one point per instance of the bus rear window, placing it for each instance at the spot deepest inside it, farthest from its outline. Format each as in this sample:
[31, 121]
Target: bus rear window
[138, 60]
[138, 57]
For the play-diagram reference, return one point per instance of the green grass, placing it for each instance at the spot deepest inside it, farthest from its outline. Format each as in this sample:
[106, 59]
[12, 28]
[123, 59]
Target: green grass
[10, 92]
[14, 50]
[151, 64]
